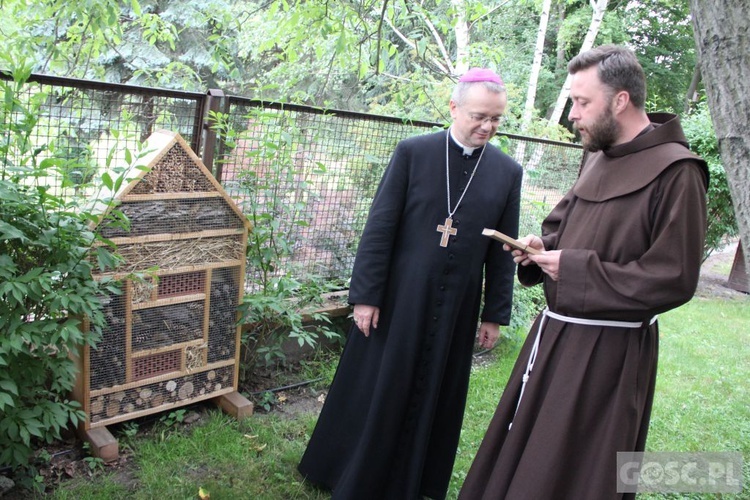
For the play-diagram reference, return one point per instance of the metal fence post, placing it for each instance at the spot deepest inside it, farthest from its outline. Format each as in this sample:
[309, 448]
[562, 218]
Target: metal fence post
[211, 104]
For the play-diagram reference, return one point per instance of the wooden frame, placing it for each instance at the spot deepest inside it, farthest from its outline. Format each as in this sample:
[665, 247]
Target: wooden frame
[158, 351]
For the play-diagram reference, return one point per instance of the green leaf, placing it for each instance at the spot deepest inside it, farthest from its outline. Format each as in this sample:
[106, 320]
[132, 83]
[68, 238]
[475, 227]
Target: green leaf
[9, 386]
[25, 436]
[5, 400]
[9, 232]
[107, 181]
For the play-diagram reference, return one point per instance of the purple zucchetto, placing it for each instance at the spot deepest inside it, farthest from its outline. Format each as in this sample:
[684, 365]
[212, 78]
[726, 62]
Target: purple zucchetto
[481, 75]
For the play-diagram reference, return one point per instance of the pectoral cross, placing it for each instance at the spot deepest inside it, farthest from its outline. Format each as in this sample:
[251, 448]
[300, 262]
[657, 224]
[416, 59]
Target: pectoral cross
[448, 230]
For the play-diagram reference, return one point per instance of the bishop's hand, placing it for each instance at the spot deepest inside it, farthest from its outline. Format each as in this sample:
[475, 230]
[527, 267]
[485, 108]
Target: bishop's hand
[366, 317]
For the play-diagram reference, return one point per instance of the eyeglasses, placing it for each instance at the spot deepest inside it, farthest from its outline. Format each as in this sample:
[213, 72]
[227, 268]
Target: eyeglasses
[481, 119]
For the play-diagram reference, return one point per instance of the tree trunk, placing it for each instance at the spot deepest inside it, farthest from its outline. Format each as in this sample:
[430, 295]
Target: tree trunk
[462, 37]
[691, 96]
[721, 35]
[560, 57]
[536, 66]
[599, 7]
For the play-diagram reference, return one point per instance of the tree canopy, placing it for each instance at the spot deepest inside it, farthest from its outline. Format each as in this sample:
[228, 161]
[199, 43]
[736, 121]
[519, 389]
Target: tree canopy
[395, 57]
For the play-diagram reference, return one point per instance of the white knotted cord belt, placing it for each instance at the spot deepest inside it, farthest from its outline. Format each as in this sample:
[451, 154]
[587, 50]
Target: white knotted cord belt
[568, 319]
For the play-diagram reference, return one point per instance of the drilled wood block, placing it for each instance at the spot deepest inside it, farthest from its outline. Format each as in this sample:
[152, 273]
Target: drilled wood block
[103, 444]
[235, 404]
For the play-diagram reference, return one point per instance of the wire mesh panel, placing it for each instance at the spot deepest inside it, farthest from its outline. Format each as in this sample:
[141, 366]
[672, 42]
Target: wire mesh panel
[82, 121]
[172, 337]
[306, 178]
[550, 169]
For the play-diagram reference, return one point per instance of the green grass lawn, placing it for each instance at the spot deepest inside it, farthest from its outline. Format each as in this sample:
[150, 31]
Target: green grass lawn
[701, 404]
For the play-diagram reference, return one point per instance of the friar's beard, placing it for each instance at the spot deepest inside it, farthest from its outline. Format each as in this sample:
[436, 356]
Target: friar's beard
[603, 133]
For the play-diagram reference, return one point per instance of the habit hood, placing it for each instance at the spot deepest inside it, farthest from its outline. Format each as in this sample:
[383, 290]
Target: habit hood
[631, 166]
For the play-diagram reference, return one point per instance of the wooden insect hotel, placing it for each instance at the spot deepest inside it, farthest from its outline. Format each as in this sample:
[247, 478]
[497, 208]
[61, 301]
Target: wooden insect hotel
[172, 337]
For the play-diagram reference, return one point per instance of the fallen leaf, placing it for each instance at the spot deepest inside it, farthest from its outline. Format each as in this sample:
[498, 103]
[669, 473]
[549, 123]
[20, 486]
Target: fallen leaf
[203, 494]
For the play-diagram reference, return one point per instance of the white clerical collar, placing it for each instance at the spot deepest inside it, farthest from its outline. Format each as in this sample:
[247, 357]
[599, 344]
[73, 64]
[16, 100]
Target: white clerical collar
[467, 150]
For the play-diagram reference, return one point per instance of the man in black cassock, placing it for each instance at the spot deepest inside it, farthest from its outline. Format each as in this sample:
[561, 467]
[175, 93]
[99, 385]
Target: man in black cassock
[390, 425]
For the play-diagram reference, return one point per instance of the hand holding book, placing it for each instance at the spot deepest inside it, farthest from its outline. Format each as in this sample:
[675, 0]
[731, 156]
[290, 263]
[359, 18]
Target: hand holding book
[511, 242]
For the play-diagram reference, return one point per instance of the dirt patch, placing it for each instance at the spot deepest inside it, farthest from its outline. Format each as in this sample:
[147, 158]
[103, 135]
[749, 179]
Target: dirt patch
[714, 278]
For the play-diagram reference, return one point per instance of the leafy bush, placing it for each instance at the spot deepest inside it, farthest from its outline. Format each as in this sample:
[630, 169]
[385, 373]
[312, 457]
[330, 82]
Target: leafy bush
[722, 223]
[49, 302]
[527, 304]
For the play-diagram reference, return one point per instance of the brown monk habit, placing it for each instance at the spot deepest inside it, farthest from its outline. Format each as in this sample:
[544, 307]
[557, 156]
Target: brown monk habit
[631, 233]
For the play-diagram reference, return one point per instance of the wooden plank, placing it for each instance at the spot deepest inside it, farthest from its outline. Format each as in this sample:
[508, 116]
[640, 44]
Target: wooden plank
[128, 330]
[198, 163]
[158, 378]
[178, 270]
[167, 348]
[334, 306]
[207, 305]
[184, 195]
[180, 299]
[238, 316]
[155, 238]
[158, 409]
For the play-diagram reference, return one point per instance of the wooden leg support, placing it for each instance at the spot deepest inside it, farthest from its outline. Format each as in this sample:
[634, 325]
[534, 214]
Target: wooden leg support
[103, 444]
[235, 404]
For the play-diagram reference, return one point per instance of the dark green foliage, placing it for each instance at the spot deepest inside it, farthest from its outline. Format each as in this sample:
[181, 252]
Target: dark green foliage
[662, 35]
[528, 302]
[47, 292]
[722, 223]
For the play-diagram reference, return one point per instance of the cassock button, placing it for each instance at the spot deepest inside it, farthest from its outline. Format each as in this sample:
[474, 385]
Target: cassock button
[442, 288]
[466, 172]
[434, 318]
[456, 222]
[445, 272]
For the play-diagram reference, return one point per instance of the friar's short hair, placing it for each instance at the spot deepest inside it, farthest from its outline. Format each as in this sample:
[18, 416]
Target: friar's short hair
[618, 68]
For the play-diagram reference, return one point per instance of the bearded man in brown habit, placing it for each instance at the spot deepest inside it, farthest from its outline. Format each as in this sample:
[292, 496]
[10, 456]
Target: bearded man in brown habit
[624, 245]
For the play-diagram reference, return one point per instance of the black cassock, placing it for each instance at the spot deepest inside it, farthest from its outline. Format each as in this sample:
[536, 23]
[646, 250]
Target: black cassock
[392, 418]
